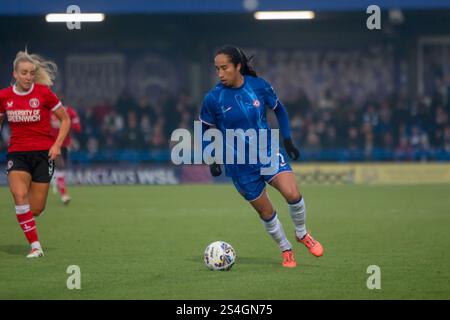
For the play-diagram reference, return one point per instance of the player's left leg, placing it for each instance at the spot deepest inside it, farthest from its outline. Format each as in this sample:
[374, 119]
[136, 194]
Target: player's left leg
[253, 189]
[60, 176]
[286, 184]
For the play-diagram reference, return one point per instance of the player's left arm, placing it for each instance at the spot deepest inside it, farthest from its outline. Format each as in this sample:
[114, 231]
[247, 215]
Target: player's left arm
[62, 115]
[285, 128]
[277, 107]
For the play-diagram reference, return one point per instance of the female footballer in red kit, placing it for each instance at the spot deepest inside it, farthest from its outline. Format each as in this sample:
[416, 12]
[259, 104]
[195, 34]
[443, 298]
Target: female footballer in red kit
[32, 149]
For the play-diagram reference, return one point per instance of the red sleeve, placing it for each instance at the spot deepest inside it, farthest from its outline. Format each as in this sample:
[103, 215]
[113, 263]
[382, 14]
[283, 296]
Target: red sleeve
[51, 100]
[74, 119]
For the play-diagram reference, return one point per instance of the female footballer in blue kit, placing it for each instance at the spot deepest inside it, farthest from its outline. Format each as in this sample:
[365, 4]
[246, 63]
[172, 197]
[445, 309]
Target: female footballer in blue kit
[238, 102]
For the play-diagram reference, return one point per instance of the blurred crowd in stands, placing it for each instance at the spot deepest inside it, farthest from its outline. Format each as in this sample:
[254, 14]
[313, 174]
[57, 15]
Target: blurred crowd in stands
[352, 100]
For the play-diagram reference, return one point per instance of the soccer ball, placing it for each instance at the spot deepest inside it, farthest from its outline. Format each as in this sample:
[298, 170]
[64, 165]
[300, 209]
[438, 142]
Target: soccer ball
[220, 256]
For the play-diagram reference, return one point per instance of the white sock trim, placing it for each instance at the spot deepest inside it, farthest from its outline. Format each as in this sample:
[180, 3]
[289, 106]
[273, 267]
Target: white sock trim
[26, 221]
[36, 245]
[22, 209]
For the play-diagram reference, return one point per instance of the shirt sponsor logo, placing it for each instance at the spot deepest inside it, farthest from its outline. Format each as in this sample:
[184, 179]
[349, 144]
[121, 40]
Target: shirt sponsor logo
[34, 103]
[24, 115]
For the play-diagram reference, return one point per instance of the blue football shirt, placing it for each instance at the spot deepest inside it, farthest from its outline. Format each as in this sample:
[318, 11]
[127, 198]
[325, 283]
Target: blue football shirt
[240, 108]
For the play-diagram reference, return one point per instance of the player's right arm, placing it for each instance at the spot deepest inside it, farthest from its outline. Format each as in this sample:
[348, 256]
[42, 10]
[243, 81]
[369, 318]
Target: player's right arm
[208, 120]
[207, 110]
[214, 168]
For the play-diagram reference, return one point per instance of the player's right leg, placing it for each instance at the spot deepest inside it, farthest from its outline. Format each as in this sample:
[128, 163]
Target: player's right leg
[286, 184]
[38, 197]
[253, 190]
[19, 183]
[274, 228]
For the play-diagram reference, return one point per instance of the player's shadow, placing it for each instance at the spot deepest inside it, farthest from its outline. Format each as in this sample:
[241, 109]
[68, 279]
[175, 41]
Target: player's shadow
[257, 261]
[247, 260]
[18, 249]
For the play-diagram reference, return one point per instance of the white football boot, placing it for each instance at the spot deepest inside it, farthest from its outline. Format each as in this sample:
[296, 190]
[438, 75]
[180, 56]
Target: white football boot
[65, 199]
[36, 253]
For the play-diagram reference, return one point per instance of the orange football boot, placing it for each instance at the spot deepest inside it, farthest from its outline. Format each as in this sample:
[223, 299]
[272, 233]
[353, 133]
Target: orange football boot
[313, 246]
[288, 259]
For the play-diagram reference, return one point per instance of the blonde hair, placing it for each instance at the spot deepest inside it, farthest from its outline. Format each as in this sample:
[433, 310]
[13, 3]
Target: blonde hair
[45, 70]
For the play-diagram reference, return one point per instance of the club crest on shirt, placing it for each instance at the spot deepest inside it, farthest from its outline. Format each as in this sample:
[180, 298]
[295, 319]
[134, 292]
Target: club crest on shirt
[9, 104]
[256, 103]
[34, 103]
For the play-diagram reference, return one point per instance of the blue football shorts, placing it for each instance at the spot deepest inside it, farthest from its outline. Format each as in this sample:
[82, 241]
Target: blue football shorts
[251, 186]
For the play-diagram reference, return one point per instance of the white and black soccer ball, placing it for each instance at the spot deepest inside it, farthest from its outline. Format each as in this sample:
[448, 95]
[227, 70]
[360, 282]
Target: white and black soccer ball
[220, 256]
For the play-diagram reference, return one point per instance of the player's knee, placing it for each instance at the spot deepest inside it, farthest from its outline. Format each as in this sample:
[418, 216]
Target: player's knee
[265, 213]
[265, 216]
[20, 196]
[292, 195]
[37, 211]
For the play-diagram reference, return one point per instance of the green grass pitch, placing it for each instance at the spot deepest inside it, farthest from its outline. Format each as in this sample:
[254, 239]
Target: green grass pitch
[148, 243]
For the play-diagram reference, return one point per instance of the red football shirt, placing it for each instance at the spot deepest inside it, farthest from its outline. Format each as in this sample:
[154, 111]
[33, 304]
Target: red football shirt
[28, 115]
[74, 125]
